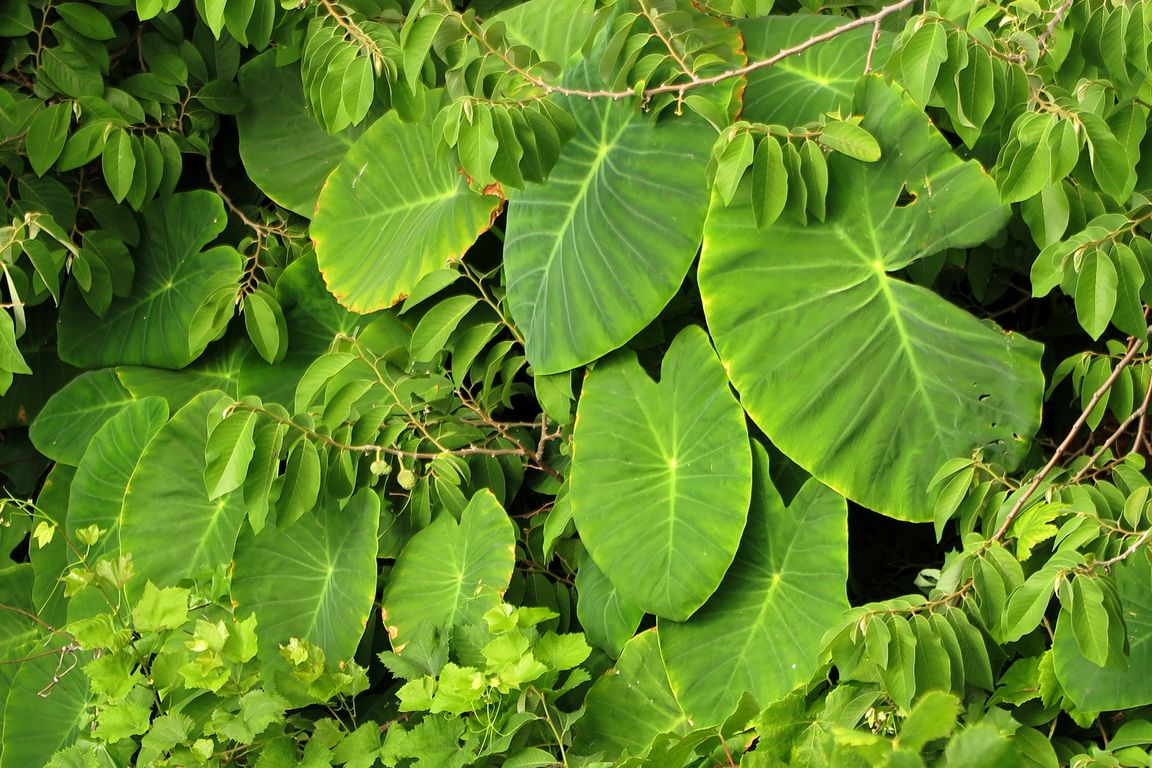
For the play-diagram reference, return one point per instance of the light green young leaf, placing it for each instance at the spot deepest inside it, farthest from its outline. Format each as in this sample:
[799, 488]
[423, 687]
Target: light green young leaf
[119, 164]
[266, 326]
[734, 160]
[769, 182]
[933, 717]
[920, 60]
[160, 609]
[851, 140]
[437, 324]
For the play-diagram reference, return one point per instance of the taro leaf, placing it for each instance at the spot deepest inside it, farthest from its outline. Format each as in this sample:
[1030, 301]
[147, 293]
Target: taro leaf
[168, 524]
[451, 572]
[20, 635]
[73, 415]
[97, 493]
[395, 209]
[595, 254]
[866, 381]
[608, 620]
[39, 725]
[632, 704]
[763, 626]
[661, 476]
[218, 368]
[313, 580]
[174, 278]
[555, 29]
[285, 151]
[801, 88]
[1094, 688]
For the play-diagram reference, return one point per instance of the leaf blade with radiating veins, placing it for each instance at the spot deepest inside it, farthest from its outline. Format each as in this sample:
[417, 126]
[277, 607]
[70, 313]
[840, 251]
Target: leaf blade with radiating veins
[74, 414]
[763, 626]
[594, 255]
[329, 558]
[801, 88]
[632, 704]
[844, 367]
[451, 572]
[171, 528]
[661, 476]
[174, 279]
[395, 209]
[285, 151]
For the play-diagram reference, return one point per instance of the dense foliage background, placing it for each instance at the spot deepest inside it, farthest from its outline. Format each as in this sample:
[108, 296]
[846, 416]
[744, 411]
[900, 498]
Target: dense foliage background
[575, 382]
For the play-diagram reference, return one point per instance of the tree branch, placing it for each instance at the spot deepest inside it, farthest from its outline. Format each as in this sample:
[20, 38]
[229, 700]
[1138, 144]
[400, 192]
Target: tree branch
[1134, 345]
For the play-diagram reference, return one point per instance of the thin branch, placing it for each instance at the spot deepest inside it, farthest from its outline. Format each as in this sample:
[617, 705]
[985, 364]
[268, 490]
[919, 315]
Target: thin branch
[1054, 22]
[872, 47]
[33, 617]
[1132, 549]
[696, 82]
[1141, 428]
[651, 14]
[1134, 345]
[1141, 414]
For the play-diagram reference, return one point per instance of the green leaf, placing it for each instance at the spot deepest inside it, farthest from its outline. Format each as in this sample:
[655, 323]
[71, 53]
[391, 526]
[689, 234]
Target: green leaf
[590, 257]
[450, 573]
[606, 617]
[160, 609]
[851, 140]
[169, 525]
[838, 362]
[661, 476]
[1089, 619]
[734, 160]
[301, 483]
[555, 29]
[1111, 166]
[437, 324]
[119, 164]
[285, 151]
[933, 717]
[213, 15]
[330, 558]
[632, 704]
[266, 326]
[174, 278]
[920, 59]
[229, 451]
[1095, 688]
[45, 723]
[764, 625]
[769, 183]
[1096, 291]
[46, 133]
[394, 210]
[74, 413]
[802, 88]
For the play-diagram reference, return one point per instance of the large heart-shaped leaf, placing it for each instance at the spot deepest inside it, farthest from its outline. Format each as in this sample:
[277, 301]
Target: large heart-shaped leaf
[314, 580]
[285, 151]
[801, 88]
[763, 626]
[395, 209]
[594, 255]
[1095, 688]
[451, 572]
[36, 725]
[661, 476]
[218, 368]
[168, 524]
[97, 493]
[74, 414]
[866, 381]
[174, 278]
